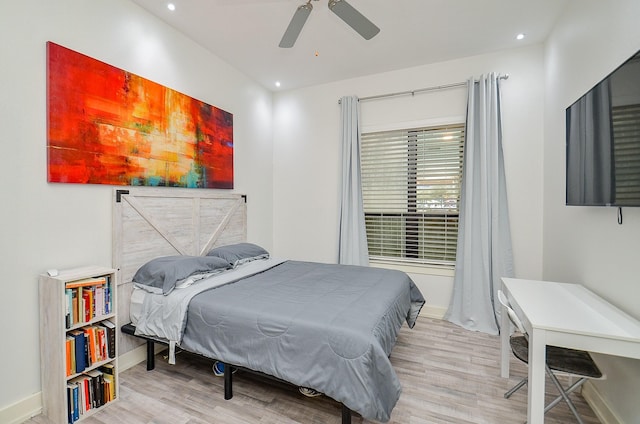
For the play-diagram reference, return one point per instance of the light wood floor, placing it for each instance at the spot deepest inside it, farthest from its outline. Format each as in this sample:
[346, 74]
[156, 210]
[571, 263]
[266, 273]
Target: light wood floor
[448, 374]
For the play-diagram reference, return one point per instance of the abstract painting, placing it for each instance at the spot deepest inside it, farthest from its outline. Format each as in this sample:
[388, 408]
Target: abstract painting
[109, 126]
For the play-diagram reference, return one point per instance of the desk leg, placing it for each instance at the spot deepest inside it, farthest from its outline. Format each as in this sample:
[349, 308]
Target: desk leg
[537, 359]
[505, 348]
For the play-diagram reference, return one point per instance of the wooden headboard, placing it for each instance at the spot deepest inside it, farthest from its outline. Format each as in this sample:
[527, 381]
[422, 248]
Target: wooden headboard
[153, 222]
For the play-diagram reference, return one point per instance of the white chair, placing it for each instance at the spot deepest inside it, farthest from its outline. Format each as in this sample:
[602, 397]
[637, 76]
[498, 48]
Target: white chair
[570, 362]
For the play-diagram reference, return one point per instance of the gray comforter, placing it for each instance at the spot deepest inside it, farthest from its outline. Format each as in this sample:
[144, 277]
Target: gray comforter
[328, 327]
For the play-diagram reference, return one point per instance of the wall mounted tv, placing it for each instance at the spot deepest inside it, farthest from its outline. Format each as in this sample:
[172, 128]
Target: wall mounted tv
[603, 141]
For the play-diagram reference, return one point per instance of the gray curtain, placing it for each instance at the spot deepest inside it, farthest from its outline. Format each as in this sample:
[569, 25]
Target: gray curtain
[590, 167]
[353, 248]
[484, 238]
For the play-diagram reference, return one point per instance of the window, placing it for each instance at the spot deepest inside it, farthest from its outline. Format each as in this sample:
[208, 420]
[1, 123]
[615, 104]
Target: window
[411, 182]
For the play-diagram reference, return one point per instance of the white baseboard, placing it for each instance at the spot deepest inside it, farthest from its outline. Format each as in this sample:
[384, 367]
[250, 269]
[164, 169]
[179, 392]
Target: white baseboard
[599, 405]
[22, 410]
[135, 356]
[31, 406]
[436, 312]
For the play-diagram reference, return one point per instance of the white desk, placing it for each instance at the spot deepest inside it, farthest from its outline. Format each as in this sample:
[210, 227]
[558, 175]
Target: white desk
[566, 315]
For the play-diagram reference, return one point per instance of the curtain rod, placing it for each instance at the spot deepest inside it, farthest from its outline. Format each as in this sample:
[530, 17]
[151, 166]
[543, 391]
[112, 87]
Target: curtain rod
[420, 90]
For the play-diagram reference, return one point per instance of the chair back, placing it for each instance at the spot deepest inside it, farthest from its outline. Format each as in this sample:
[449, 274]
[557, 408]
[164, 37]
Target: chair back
[512, 314]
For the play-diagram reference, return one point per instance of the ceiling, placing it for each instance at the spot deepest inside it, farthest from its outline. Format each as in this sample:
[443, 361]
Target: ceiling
[246, 34]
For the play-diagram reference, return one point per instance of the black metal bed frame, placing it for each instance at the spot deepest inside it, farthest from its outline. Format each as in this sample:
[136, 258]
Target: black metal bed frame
[228, 368]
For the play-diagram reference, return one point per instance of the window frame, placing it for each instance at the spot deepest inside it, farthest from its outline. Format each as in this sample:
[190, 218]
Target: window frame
[404, 264]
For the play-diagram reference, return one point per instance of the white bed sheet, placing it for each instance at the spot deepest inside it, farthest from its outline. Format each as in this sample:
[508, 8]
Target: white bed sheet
[164, 316]
[135, 305]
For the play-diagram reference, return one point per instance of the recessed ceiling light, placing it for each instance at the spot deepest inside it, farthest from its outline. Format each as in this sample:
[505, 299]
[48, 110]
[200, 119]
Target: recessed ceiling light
[277, 83]
[520, 36]
[171, 7]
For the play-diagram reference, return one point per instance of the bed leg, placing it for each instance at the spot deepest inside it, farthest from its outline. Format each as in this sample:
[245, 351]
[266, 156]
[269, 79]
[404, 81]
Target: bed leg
[151, 359]
[228, 390]
[346, 415]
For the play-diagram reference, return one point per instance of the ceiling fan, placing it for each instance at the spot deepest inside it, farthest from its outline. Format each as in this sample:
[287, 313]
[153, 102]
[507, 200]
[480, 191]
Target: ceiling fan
[344, 10]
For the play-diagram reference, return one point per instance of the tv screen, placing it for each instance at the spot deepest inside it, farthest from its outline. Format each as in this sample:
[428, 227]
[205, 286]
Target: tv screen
[603, 141]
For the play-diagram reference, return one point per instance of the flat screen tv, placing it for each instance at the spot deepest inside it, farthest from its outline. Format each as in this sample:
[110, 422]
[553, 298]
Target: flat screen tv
[603, 141]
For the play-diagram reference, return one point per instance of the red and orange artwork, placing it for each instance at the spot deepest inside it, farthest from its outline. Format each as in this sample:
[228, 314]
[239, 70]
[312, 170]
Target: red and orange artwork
[109, 126]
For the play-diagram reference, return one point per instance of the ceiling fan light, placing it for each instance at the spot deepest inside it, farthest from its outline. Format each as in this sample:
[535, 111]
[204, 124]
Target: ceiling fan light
[354, 19]
[295, 26]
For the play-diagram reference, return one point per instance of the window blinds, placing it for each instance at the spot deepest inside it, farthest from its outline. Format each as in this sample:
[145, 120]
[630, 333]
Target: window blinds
[626, 133]
[411, 191]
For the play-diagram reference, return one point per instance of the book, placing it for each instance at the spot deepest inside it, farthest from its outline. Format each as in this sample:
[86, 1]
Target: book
[111, 338]
[81, 382]
[68, 307]
[87, 299]
[97, 381]
[91, 343]
[90, 393]
[108, 369]
[109, 375]
[79, 294]
[79, 350]
[102, 343]
[108, 303]
[70, 405]
[68, 341]
[87, 282]
[72, 396]
[109, 388]
[74, 306]
[98, 302]
[86, 383]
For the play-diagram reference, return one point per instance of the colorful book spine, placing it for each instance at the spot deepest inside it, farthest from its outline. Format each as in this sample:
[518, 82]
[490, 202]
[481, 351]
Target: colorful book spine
[89, 342]
[73, 413]
[87, 299]
[68, 308]
[68, 350]
[110, 330]
[79, 351]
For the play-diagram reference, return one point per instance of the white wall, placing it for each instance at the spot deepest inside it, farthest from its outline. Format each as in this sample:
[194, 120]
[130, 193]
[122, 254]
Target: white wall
[307, 152]
[63, 225]
[585, 244]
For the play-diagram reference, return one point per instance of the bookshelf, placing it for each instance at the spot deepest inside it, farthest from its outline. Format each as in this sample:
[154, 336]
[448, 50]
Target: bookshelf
[78, 348]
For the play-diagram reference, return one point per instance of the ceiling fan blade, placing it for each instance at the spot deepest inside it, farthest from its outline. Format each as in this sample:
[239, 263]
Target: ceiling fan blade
[354, 19]
[295, 26]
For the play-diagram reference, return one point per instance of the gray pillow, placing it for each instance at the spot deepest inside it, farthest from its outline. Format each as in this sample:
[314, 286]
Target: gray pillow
[237, 254]
[163, 273]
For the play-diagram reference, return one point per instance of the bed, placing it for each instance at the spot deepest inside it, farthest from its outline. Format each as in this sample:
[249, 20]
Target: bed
[324, 326]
